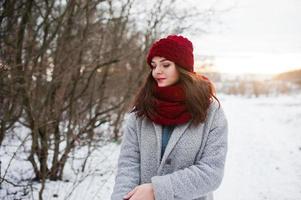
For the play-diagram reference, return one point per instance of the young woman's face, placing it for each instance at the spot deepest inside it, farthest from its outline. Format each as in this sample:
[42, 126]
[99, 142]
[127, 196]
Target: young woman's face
[164, 71]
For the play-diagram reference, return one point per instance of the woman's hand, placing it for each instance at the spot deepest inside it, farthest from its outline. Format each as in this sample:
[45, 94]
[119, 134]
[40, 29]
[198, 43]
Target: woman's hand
[141, 192]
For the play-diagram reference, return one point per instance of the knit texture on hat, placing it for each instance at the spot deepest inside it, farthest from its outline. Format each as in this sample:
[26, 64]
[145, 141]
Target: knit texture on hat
[175, 48]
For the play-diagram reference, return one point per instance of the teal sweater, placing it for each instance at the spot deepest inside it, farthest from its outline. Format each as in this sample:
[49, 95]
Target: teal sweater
[166, 132]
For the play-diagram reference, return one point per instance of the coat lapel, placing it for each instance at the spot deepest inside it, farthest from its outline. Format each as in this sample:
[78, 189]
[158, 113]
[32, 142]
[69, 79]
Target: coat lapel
[158, 130]
[175, 136]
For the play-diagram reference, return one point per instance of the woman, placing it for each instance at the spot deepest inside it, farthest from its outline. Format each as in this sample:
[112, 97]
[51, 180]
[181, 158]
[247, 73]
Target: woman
[175, 138]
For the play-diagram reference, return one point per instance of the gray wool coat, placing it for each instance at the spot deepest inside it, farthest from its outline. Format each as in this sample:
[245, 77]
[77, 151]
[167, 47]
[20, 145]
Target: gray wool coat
[192, 166]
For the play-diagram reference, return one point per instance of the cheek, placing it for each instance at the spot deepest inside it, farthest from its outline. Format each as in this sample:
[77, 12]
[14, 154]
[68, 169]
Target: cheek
[176, 78]
[176, 75]
[153, 73]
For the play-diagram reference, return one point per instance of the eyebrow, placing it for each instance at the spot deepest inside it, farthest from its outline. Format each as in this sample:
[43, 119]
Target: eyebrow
[163, 59]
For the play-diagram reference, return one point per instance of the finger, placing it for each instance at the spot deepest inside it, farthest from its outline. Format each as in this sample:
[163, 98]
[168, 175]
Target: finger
[128, 195]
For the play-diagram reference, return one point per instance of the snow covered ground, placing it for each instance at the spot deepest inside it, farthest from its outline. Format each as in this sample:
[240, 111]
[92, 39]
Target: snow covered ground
[263, 161]
[264, 158]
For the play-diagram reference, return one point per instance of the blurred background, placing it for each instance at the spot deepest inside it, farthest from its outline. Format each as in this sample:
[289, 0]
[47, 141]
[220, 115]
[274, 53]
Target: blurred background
[70, 69]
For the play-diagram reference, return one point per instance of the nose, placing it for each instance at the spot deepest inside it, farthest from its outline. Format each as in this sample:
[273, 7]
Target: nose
[158, 70]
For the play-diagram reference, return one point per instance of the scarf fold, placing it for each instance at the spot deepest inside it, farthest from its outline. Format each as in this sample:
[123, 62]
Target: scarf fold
[169, 105]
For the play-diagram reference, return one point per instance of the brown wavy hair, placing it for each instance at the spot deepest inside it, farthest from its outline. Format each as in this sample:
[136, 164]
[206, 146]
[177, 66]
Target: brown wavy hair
[199, 92]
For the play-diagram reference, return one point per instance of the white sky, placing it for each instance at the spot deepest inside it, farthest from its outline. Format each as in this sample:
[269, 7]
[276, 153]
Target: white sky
[257, 36]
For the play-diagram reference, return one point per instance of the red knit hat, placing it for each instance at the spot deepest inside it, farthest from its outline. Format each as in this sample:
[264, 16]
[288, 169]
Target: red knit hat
[175, 48]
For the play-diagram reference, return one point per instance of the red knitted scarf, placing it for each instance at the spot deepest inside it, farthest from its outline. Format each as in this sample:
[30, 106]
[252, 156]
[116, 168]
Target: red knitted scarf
[170, 107]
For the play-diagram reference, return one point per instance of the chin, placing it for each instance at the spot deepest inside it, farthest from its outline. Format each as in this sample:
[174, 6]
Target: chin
[162, 85]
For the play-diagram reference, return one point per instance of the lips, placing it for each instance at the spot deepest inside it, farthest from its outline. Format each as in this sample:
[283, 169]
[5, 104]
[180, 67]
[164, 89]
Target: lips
[160, 79]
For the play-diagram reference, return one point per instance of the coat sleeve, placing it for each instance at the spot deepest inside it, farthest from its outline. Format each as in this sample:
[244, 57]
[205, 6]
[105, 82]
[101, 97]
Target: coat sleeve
[128, 167]
[205, 175]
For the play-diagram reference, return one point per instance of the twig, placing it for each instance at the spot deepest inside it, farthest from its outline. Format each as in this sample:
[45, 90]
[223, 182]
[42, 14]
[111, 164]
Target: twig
[11, 159]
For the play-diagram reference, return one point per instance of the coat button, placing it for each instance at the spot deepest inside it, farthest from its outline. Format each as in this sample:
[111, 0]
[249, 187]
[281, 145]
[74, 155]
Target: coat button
[168, 161]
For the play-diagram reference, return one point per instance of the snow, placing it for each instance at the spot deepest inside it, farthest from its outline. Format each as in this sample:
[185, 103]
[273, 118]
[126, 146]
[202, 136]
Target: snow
[264, 155]
[263, 160]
